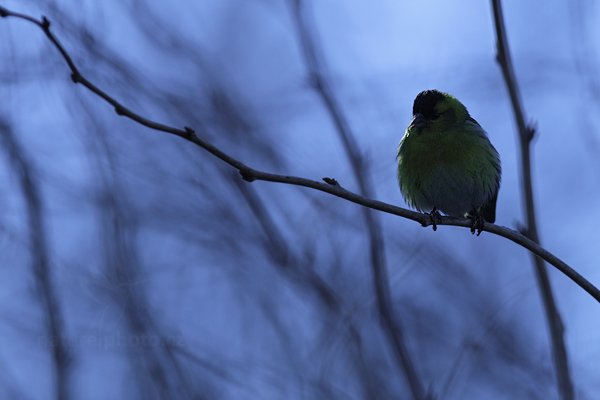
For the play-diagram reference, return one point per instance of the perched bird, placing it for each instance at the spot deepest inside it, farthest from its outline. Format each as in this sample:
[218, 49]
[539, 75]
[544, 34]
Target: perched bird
[446, 162]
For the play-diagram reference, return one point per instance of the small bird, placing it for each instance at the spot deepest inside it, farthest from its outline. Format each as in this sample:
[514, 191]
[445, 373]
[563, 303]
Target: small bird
[446, 162]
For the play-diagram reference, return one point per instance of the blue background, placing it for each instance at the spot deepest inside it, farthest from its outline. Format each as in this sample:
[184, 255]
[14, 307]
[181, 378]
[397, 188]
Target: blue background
[175, 279]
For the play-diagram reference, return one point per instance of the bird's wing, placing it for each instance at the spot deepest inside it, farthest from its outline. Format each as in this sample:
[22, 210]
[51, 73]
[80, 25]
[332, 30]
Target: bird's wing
[488, 209]
[471, 119]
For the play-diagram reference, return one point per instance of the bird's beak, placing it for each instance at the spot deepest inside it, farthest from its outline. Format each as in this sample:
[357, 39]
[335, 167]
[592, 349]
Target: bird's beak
[418, 120]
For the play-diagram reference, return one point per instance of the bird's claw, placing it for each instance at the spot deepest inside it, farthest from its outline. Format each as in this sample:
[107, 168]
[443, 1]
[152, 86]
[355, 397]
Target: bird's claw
[434, 217]
[476, 223]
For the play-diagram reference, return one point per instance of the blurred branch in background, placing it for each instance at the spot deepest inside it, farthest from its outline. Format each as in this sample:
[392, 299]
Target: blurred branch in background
[158, 372]
[389, 321]
[298, 269]
[55, 337]
[587, 61]
[526, 134]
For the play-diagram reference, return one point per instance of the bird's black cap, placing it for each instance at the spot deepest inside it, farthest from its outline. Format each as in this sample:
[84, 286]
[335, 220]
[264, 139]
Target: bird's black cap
[425, 102]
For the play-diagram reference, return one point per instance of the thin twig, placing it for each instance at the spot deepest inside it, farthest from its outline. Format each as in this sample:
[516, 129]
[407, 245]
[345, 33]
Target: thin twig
[251, 174]
[526, 133]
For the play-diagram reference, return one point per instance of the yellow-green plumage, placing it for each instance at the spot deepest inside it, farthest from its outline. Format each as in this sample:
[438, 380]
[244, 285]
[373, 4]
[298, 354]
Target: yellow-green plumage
[445, 160]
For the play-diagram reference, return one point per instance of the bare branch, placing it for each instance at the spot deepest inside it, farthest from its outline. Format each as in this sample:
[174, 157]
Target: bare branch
[526, 133]
[46, 287]
[251, 174]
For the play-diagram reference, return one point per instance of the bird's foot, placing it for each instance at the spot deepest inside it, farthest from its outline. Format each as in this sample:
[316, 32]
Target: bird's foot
[434, 217]
[476, 222]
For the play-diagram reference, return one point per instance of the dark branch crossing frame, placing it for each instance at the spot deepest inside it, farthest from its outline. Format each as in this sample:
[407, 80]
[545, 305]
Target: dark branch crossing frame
[330, 186]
